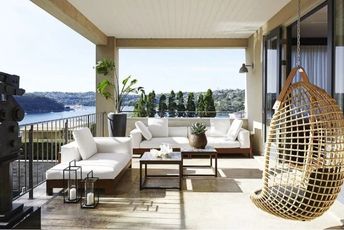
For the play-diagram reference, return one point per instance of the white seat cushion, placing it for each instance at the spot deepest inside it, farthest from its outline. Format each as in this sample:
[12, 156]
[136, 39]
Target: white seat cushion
[222, 142]
[144, 130]
[104, 166]
[219, 127]
[158, 127]
[86, 145]
[234, 129]
[174, 142]
[177, 131]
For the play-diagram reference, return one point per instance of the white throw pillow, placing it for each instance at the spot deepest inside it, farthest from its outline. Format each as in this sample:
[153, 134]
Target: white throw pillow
[234, 130]
[219, 127]
[144, 130]
[86, 144]
[158, 127]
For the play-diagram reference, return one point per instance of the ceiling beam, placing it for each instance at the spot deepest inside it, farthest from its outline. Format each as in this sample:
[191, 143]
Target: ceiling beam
[69, 15]
[182, 43]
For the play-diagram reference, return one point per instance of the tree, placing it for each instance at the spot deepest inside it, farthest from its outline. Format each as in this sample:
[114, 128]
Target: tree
[140, 106]
[200, 106]
[162, 105]
[190, 105]
[150, 105]
[180, 105]
[172, 106]
[209, 105]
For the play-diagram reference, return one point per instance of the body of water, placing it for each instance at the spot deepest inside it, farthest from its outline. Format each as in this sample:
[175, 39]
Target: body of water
[37, 117]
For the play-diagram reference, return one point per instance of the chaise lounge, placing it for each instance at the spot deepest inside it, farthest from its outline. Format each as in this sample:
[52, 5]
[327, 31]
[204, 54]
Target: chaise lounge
[108, 157]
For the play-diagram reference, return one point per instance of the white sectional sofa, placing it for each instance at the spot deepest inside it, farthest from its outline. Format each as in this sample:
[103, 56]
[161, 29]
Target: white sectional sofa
[108, 157]
[157, 131]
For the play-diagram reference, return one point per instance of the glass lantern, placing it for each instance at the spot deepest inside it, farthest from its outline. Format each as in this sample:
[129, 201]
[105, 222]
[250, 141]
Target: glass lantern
[71, 177]
[90, 197]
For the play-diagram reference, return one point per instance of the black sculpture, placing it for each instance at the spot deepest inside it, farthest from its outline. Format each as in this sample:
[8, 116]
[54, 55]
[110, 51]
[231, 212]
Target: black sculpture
[11, 215]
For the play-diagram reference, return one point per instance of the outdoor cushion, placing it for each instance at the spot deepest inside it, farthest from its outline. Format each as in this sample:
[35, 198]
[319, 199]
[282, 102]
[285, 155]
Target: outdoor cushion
[86, 145]
[234, 129]
[70, 152]
[177, 131]
[219, 127]
[175, 142]
[222, 142]
[104, 166]
[158, 127]
[143, 129]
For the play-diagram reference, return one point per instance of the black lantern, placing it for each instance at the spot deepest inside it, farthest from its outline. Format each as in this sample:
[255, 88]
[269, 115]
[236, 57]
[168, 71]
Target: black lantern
[90, 197]
[71, 177]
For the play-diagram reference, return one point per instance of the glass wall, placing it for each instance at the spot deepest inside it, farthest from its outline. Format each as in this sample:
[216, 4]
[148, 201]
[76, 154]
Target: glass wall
[272, 76]
[339, 52]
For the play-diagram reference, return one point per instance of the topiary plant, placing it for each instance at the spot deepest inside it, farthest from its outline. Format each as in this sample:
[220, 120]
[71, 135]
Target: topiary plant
[198, 128]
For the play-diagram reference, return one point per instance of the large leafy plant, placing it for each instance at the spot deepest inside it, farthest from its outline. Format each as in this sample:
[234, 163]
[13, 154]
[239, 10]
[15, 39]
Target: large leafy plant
[105, 67]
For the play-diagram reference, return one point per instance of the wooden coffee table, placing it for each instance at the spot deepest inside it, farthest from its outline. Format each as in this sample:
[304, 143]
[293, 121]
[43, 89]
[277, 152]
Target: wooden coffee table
[148, 158]
[208, 151]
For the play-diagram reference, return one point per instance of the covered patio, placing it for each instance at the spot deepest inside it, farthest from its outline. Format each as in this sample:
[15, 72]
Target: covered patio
[202, 203]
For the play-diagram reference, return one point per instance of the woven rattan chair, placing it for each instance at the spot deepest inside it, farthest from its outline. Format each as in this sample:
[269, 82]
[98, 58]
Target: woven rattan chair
[304, 153]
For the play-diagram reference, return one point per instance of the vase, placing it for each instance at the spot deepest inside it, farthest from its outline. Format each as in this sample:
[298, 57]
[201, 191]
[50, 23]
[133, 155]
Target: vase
[198, 141]
[117, 124]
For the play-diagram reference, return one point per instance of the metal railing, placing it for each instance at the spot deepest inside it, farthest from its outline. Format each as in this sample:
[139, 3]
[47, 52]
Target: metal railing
[42, 142]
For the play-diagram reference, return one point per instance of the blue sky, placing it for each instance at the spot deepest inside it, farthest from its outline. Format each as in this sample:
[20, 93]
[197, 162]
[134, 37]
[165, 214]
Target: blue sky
[50, 56]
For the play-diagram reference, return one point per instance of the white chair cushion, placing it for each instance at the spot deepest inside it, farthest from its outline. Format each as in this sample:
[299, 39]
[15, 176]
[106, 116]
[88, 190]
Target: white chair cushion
[104, 166]
[86, 145]
[234, 129]
[158, 127]
[219, 127]
[222, 142]
[177, 131]
[175, 142]
[144, 130]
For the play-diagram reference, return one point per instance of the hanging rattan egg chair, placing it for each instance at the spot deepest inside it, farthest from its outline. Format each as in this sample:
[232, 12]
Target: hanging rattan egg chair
[304, 153]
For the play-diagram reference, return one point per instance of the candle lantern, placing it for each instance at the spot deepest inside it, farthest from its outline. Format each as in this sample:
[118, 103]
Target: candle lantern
[72, 175]
[90, 197]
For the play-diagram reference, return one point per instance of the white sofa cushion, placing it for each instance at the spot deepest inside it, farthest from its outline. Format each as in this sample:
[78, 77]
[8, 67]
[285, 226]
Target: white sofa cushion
[86, 145]
[177, 131]
[70, 152]
[143, 129]
[219, 127]
[244, 138]
[175, 142]
[104, 166]
[222, 142]
[158, 127]
[234, 129]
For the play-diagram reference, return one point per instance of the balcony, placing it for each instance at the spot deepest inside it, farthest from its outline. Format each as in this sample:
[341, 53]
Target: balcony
[203, 202]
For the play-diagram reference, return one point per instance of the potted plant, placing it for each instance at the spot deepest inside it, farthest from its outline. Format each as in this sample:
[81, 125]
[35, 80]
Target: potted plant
[197, 138]
[117, 121]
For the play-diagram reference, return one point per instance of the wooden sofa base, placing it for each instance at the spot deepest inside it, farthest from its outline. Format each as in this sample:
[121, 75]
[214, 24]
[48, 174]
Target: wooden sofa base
[224, 151]
[107, 186]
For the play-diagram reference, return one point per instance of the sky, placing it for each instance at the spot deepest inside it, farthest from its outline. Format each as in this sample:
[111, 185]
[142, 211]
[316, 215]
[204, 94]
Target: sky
[49, 56]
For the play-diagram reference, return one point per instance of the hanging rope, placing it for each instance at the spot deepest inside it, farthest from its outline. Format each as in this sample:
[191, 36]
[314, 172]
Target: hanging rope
[298, 35]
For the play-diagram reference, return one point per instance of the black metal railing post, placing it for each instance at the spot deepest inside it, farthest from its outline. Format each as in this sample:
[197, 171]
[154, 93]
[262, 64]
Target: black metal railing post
[66, 132]
[88, 121]
[30, 153]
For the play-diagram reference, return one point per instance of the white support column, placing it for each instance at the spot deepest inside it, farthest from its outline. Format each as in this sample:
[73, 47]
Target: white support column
[104, 106]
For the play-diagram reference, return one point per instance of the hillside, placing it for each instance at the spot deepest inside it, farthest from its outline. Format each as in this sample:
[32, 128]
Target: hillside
[32, 103]
[231, 100]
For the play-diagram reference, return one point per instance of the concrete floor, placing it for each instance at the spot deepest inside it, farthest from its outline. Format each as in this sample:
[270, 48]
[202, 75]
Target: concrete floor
[204, 203]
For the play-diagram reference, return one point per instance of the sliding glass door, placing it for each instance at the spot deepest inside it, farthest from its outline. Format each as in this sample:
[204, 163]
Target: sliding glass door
[272, 75]
[339, 52]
